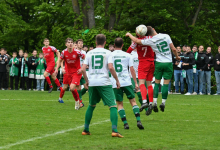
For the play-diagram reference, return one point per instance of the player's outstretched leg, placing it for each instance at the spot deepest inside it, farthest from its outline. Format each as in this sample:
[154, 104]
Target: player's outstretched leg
[88, 117]
[150, 94]
[61, 95]
[114, 121]
[164, 96]
[137, 115]
[84, 91]
[123, 118]
[144, 97]
[156, 91]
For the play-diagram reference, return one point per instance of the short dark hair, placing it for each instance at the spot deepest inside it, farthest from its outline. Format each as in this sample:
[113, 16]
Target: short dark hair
[119, 42]
[85, 46]
[91, 46]
[46, 39]
[34, 50]
[110, 45]
[21, 50]
[14, 53]
[100, 39]
[179, 46]
[41, 53]
[194, 46]
[79, 41]
[150, 30]
[25, 52]
[3, 49]
[68, 39]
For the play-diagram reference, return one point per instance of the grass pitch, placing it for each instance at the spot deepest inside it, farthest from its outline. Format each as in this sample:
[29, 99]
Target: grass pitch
[35, 120]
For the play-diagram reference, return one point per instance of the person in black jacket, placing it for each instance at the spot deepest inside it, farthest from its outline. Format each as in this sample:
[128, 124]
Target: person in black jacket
[217, 71]
[200, 65]
[31, 70]
[187, 65]
[3, 63]
[178, 72]
[20, 56]
[209, 63]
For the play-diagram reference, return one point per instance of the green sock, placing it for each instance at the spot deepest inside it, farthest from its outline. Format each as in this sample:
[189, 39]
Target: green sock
[83, 91]
[140, 99]
[80, 94]
[156, 90]
[114, 118]
[122, 115]
[165, 91]
[88, 117]
[136, 112]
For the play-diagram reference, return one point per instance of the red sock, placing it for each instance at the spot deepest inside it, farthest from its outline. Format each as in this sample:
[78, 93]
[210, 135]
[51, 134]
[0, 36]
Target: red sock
[75, 95]
[61, 92]
[143, 92]
[150, 93]
[49, 82]
[57, 82]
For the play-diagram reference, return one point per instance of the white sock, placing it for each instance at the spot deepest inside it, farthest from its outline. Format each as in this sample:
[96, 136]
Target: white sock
[150, 103]
[155, 100]
[60, 98]
[163, 101]
[145, 101]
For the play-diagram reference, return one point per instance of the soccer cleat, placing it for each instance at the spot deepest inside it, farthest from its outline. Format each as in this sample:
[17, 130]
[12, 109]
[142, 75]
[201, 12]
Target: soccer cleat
[50, 90]
[149, 110]
[139, 125]
[61, 101]
[155, 109]
[77, 105]
[116, 134]
[86, 132]
[82, 105]
[144, 105]
[126, 126]
[162, 107]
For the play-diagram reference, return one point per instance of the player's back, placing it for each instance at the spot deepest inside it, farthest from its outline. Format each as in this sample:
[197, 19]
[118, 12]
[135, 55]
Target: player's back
[134, 56]
[49, 54]
[97, 60]
[121, 62]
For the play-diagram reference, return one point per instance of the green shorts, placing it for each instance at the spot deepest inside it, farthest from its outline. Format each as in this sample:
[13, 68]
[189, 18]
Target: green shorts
[96, 93]
[164, 70]
[82, 81]
[128, 91]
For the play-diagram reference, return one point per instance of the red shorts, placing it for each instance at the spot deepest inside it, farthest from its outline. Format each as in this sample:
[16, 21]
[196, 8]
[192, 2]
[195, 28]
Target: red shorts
[72, 78]
[146, 70]
[50, 69]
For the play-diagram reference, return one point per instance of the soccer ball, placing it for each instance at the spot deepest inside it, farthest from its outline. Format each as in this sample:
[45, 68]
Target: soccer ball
[141, 30]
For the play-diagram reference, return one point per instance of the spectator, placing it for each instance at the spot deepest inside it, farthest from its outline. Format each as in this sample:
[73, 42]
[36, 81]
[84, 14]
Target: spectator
[32, 69]
[207, 71]
[200, 65]
[74, 45]
[111, 47]
[91, 48]
[40, 68]
[14, 65]
[85, 48]
[20, 56]
[188, 62]
[178, 72]
[217, 71]
[195, 73]
[184, 48]
[3, 63]
[7, 70]
[24, 72]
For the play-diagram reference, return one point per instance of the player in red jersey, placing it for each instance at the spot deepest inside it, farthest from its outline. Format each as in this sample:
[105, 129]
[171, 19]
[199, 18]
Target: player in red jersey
[145, 71]
[49, 56]
[71, 57]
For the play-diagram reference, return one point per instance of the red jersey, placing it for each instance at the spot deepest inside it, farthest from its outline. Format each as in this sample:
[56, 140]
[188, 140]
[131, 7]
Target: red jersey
[49, 55]
[72, 60]
[144, 52]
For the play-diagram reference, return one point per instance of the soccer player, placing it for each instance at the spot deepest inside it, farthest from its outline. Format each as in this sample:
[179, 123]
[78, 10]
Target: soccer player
[99, 83]
[49, 56]
[121, 62]
[71, 57]
[162, 46]
[81, 92]
[145, 71]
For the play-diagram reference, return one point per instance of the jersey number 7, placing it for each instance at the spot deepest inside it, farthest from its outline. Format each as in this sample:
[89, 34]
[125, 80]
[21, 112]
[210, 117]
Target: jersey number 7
[145, 51]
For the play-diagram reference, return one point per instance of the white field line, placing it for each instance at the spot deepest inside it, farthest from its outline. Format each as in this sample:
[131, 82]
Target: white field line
[48, 135]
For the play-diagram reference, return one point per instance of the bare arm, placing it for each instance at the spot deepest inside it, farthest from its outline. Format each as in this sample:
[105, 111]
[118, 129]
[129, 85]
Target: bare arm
[112, 70]
[174, 51]
[134, 76]
[134, 39]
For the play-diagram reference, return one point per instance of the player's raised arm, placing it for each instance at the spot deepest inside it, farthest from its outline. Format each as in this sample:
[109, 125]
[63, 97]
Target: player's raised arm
[134, 39]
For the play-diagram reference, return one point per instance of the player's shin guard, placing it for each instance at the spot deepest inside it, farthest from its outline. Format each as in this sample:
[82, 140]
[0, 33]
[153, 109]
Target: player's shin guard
[114, 118]
[143, 93]
[57, 82]
[61, 93]
[150, 93]
[122, 115]
[164, 92]
[49, 82]
[88, 117]
[136, 112]
[75, 95]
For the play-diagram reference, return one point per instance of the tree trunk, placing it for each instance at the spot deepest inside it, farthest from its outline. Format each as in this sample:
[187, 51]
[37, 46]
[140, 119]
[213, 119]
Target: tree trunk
[112, 18]
[197, 12]
[91, 14]
[85, 14]
[106, 14]
[76, 10]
